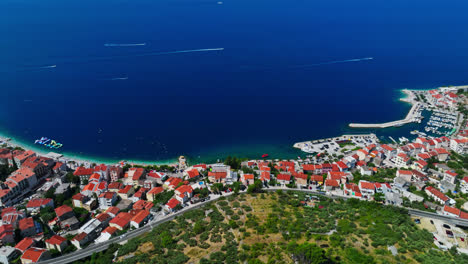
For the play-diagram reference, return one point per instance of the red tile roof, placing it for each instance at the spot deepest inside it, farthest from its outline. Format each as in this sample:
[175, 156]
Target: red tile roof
[405, 172]
[332, 183]
[34, 203]
[184, 189]
[387, 147]
[26, 223]
[142, 204]
[33, 254]
[110, 230]
[113, 210]
[122, 219]
[102, 217]
[452, 210]
[172, 203]
[24, 244]
[317, 178]
[78, 196]
[81, 171]
[156, 190]
[139, 217]
[126, 189]
[107, 195]
[173, 181]
[114, 185]
[203, 166]
[283, 177]
[367, 185]
[437, 193]
[193, 173]
[265, 175]
[63, 210]
[56, 240]
[218, 174]
[80, 236]
[248, 176]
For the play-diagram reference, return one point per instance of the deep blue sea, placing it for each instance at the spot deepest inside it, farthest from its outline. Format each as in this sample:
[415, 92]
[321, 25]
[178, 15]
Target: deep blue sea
[289, 71]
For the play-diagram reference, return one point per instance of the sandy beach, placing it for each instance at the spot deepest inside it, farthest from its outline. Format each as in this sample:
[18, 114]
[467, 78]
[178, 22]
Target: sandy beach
[71, 158]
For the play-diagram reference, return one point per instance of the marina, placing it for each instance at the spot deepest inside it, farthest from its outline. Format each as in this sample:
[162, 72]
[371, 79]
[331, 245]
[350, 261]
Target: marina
[442, 123]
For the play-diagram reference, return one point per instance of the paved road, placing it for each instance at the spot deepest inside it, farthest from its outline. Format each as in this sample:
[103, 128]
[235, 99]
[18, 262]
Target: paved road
[86, 252]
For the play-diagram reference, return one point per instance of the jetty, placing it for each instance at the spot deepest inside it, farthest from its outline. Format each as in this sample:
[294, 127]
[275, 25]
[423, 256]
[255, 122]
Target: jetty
[414, 115]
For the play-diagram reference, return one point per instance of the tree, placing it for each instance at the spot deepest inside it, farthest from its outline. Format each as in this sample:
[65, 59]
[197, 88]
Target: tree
[379, 197]
[256, 187]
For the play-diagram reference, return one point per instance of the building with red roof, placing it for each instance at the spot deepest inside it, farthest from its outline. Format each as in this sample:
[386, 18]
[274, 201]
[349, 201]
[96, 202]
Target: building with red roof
[20, 158]
[401, 160]
[367, 188]
[142, 205]
[217, 176]
[171, 205]
[115, 173]
[139, 219]
[106, 234]
[83, 173]
[464, 185]
[64, 212]
[184, 193]
[451, 211]
[80, 240]
[34, 255]
[121, 221]
[79, 200]
[24, 244]
[39, 203]
[135, 175]
[140, 194]
[247, 178]
[107, 199]
[7, 234]
[193, 173]
[112, 211]
[283, 179]
[126, 192]
[265, 176]
[437, 195]
[57, 243]
[153, 192]
[114, 186]
[10, 216]
[331, 185]
[27, 227]
[21, 181]
[172, 183]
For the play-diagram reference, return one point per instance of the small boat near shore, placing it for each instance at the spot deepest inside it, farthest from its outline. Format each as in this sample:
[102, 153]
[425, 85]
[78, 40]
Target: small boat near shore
[47, 142]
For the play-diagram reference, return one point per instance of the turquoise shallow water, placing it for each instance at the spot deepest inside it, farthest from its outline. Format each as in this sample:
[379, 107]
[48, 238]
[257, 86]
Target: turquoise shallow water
[290, 71]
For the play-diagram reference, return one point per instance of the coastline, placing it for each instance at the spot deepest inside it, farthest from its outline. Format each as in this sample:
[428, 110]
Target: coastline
[71, 157]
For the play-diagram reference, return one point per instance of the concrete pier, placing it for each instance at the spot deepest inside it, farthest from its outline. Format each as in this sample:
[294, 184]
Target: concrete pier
[412, 116]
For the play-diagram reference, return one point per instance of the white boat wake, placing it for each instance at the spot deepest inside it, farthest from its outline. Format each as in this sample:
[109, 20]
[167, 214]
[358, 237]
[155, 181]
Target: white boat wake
[179, 51]
[124, 44]
[119, 78]
[47, 67]
[333, 62]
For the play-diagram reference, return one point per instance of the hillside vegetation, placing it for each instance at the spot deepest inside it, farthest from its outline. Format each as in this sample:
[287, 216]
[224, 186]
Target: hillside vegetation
[278, 227]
